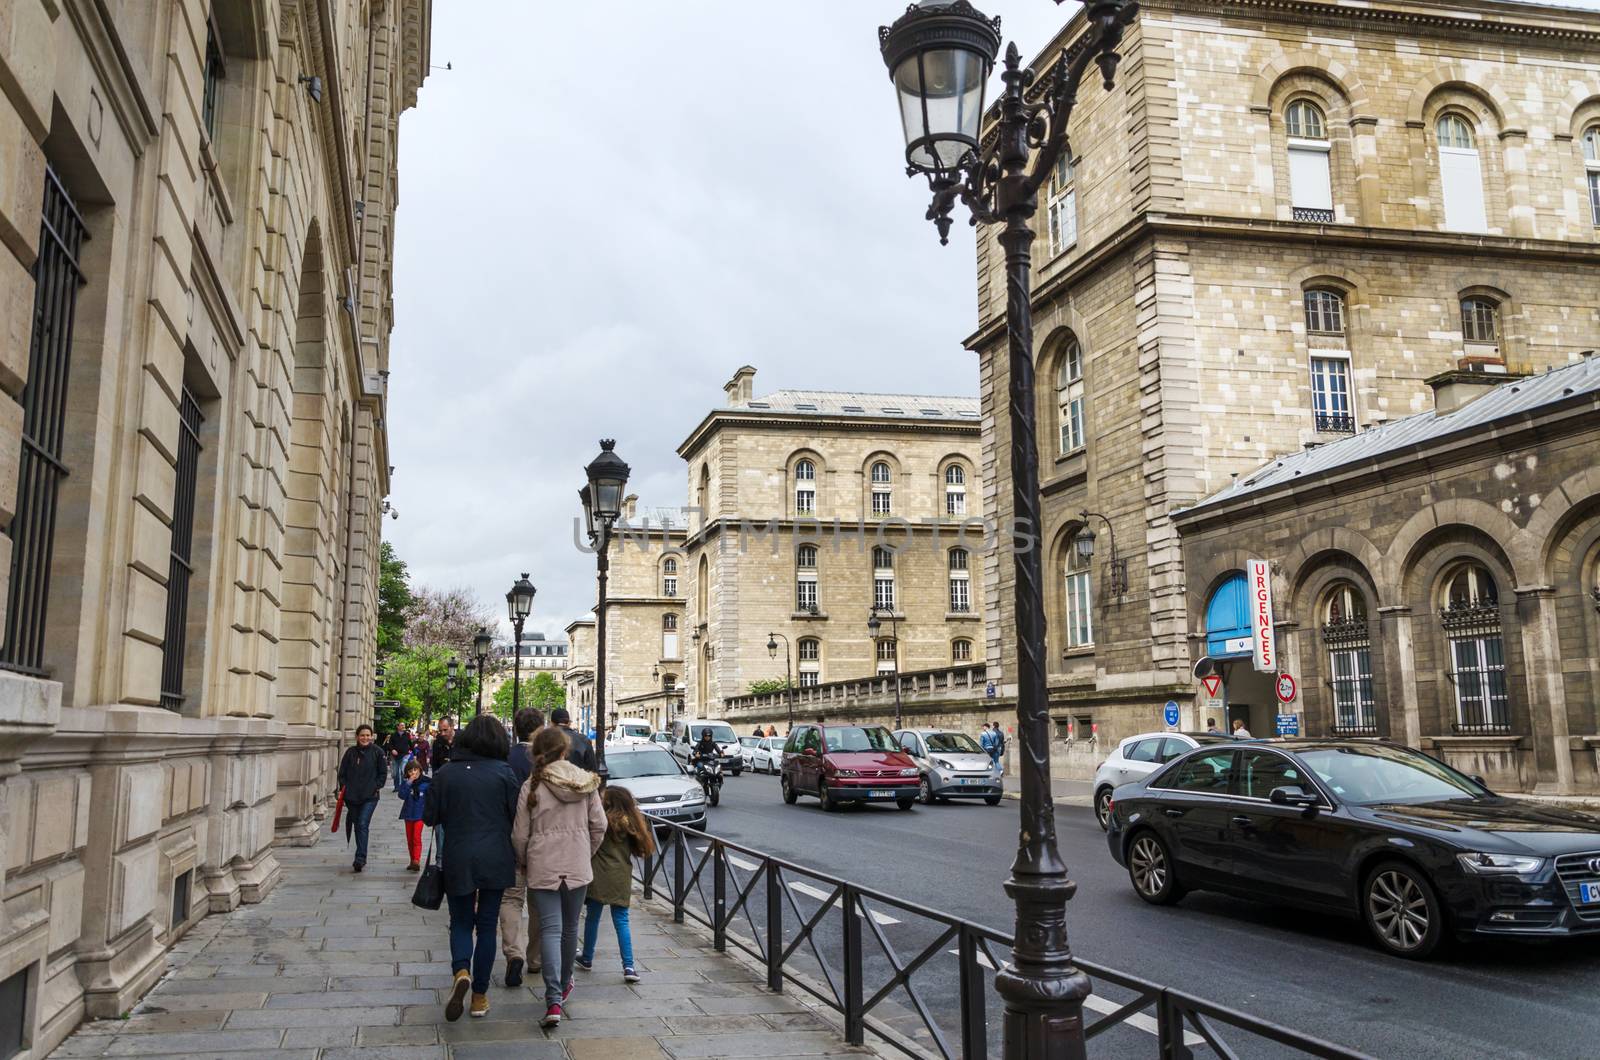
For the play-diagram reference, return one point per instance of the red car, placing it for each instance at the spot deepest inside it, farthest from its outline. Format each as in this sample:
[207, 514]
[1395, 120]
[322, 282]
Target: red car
[848, 763]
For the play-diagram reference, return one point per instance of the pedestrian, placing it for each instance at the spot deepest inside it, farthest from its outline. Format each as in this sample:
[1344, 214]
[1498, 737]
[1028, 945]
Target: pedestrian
[474, 796]
[1211, 727]
[413, 795]
[444, 743]
[559, 828]
[999, 748]
[362, 776]
[760, 732]
[398, 745]
[1240, 732]
[986, 741]
[421, 752]
[514, 905]
[772, 730]
[628, 836]
[580, 751]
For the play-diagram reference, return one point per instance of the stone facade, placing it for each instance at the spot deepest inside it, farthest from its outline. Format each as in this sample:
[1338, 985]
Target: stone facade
[196, 211]
[1176, 258]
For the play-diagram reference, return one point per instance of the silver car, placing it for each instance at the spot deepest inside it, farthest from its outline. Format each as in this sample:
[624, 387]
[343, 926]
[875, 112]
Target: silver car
[1137, 757]
[658, 784]
[952, 764]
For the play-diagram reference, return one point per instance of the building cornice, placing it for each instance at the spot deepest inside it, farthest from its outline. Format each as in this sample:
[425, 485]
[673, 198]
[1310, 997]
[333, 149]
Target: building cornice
[718, 419]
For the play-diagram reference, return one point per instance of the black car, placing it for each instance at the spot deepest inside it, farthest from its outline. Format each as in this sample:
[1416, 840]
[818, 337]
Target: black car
[1363, 828]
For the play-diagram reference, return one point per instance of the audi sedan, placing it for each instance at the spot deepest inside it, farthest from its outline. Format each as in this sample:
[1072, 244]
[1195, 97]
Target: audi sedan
[1415, 850]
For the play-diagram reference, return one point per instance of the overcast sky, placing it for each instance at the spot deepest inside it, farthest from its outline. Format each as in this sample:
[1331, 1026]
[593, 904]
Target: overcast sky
[607, 207]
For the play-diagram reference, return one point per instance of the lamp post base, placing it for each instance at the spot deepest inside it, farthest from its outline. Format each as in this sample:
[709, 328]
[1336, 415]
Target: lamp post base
[1043, 990]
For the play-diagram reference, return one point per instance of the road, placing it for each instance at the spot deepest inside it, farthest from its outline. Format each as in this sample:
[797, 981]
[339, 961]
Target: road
[1316, 974]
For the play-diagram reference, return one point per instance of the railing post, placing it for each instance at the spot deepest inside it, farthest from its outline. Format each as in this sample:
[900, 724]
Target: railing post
[644, 871]
[678, 888]
[774, 929]
[1169, 1029]
[854, 1017]
[719, 895]
[974, 1024]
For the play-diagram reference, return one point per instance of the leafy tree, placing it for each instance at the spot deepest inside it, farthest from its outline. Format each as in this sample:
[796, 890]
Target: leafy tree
[767, 686]
[449, 617]
[394, 599]
[415, 677]
[541, 690]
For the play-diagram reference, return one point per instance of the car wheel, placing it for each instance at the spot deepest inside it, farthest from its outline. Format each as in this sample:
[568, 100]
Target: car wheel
[1150, 869]
[1401, 911]
[1102, 807]
[788, 791]
[925, 792]
[827, 800]
[991, 800]
[905, 804]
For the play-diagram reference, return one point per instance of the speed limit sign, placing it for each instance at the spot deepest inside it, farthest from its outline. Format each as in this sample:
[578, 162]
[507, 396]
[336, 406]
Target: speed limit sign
[1286, 688]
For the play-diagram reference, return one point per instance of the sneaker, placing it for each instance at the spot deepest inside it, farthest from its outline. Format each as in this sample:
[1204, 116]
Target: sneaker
[513, 971]
[355, 866]
[414, 866]
[458, 996]
[587, 964]
[552, 1016]
[629, 975]
[480, 1005]
[566, 991]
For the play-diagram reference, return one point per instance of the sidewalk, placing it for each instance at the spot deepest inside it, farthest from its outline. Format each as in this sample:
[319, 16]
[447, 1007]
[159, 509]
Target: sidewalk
[335, 966]
[1065, 792]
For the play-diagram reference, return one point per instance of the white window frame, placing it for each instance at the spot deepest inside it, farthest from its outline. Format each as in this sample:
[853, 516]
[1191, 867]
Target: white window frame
[805, 496]
[955, 490]
[1062, 211]
[961, 650]
[891, 664]
[1461, 179]
[1069, 398]
[1478, 346]
[805, 591]
[1332, 412]
[1591, 171]
[882, 502]
[1080, 602]
[959, 563]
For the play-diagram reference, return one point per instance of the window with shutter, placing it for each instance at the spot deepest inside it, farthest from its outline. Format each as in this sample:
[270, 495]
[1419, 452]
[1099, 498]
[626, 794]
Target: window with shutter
[1310, 187]
[1460, 176]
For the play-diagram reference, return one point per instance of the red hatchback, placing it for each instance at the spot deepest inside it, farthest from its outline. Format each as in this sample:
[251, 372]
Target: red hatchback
[848, 763]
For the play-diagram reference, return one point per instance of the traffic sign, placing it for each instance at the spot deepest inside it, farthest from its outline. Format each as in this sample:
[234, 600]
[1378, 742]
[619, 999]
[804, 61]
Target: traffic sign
[988, 692]
[1212, 683]
[1286, 688]
[1288, 725]
[1169, 714]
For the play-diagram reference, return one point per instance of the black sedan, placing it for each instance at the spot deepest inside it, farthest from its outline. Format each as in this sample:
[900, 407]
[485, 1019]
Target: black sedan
[1410, 846]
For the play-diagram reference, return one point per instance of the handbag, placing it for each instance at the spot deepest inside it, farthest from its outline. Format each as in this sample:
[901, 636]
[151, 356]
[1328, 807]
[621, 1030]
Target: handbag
[430, 885]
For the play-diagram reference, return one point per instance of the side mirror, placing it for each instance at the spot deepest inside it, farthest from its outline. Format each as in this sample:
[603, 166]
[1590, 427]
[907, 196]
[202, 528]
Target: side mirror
[1478, 780]
[1292, 797]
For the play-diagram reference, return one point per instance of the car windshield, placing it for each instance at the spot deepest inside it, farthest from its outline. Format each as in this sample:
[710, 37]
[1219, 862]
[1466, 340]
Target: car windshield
[749, 741]
[640, 731]
[651, 763]
[860, 738]
[953, 743]
[661, 737]
[1376, 774]
[719, 733]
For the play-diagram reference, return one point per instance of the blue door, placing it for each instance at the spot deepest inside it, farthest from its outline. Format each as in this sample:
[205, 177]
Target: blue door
[1228, 619]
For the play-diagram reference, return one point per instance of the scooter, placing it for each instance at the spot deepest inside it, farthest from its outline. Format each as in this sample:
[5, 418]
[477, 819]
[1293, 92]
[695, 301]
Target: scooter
[709, 775]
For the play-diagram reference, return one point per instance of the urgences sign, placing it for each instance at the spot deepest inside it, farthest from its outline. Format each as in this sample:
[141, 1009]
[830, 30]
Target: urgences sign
[1263, 640]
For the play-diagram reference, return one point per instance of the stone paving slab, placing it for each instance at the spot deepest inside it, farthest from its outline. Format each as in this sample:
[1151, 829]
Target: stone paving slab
[339, 966]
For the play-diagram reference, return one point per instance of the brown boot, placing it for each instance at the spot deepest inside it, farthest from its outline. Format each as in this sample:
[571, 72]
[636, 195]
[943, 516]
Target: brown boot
[480, 1005]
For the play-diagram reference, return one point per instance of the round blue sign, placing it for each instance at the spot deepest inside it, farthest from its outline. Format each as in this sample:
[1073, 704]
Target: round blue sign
[1170, 713]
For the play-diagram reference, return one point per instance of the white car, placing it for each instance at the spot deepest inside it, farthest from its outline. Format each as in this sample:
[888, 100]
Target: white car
[1137, 757]
[766, 756]
[629, 732]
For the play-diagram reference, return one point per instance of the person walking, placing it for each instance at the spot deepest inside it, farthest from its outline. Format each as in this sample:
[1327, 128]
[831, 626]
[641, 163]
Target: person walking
[986, 741]
[398, 746]
[559, 828]
[513, 906]
[421, 751]
[362, 776]
[580, 751]
[474, 796]
[1211, 727]
[413, 796]
[628, 836]
[999, 748]
[1240, 732]
[444, 743]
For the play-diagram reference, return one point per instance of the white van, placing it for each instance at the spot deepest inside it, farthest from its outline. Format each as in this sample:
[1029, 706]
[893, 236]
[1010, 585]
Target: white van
[686, 733]
[630, 731]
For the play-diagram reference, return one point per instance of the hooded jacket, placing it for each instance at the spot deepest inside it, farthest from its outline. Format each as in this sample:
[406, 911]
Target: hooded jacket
[555, 841]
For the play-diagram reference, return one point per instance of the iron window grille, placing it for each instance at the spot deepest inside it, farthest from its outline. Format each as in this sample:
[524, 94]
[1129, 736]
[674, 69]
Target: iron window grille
[1477, 668]
[1355, 707]
[57, 277]
[180, 568]
[1336, 423]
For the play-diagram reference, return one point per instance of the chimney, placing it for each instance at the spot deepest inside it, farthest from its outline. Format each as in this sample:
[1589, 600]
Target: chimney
[741, 388]
[1460, 386]
[630, 505]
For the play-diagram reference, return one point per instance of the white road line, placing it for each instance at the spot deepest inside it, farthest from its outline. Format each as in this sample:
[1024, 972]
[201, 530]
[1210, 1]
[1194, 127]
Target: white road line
[981, 958]
[1138, 1020]
[823, 896]
[748, 866]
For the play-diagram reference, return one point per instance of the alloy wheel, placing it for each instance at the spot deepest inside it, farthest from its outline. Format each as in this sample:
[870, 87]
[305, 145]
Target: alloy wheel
[926, 793]
[1148, 864]
[1399, 909]
[1102, 808]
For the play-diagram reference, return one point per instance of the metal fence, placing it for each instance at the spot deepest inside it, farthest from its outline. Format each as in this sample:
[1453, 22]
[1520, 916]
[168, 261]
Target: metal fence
[849, 963]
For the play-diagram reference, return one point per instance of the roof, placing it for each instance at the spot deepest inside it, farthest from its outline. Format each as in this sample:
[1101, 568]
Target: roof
[1508, 400]
[856, 403]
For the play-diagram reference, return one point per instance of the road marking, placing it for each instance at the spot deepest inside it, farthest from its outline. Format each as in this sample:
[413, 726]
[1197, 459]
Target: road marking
[981, 958]
[1137, 1020]
[748, 866]
[822, 896]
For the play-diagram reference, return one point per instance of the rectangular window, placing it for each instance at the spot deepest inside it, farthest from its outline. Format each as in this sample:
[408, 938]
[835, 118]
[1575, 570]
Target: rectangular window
[180, 897]
[883, 594]
[809, 678]
[1482, 705]
[960, 602]
[1330, 395]
[669, 586]
[961, 651]
[1080, 626]
[1354, 710]
[880, 502]
[1461, 179]
[1594, 196]
[57, 278]
[214, 74]
[805, 501]
[178, 567]
[1310, 190]
[955, 502]
[1063, 222]
[1072, 423]
[805, 594]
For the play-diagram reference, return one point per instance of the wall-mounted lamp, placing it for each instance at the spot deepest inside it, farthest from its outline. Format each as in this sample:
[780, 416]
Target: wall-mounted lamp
[1084, 543]
[315, 87]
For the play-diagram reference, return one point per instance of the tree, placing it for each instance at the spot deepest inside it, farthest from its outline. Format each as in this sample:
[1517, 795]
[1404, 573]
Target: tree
[415, 679]
[449, 617]
[394, 600]
[541, 690]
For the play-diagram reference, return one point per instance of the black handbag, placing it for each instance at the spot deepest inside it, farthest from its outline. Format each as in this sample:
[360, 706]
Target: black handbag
[430, 885]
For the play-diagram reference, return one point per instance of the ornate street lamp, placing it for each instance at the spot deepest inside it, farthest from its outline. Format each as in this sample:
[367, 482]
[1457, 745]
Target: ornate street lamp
[519, 605]
[451, 679]
[873, 626]
[480, 650]
[602, 507]
[1084, 543]
[788, 674]
[939, 54]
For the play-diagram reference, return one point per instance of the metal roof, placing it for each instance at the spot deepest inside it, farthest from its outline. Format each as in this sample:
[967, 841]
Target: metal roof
[852, 403]
[1509, 399]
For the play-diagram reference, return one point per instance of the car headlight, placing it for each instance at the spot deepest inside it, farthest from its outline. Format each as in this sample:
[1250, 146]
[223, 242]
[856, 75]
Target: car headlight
[941, 763]
[845, 773]
[694, 796]
[910, 772]
[1500, 864]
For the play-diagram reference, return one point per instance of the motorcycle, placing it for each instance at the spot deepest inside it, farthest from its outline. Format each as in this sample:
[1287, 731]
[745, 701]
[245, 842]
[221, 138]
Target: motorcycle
[708, 774]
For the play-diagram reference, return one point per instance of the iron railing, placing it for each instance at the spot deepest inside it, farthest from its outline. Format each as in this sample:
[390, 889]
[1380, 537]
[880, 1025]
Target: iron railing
[752, 907]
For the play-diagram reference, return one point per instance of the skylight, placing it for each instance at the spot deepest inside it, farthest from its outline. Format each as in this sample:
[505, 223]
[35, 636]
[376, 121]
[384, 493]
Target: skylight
[760, 405]
[805, 406]
[966, 414]
[854, 408]
[893, 411]
[930, 412]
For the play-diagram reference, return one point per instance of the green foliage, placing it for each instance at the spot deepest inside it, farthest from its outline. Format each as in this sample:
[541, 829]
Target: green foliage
[768, 686]
[540, 689]
[394, 600]
[415, 678]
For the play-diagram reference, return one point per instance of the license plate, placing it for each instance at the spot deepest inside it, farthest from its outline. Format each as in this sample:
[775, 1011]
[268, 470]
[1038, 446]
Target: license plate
[880, 793]
[1588, 892]
[669, 812]
[968, 780]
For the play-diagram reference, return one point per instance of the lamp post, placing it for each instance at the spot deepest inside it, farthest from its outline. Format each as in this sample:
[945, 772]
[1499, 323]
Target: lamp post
[451, 679]
[873, 626]
[788, 674]
[1084, 543]
[480, 649]
[519, 605]
[602, 507]
[939, 55]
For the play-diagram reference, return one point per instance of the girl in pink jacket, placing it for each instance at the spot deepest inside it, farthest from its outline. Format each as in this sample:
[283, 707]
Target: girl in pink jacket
[560, 825]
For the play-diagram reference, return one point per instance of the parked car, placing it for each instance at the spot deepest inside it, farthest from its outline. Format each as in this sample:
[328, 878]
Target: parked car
[847, 763]
[686, 733]
[747, 751]
[768, 755]
[952, 764]
[658, 784]
[1372, 830]
[1139, 756]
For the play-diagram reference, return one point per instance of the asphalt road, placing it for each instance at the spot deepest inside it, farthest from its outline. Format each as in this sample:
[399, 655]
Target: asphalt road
[1313, 973]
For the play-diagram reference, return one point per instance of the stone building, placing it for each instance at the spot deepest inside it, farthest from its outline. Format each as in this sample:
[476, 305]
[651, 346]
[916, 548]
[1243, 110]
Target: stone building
[1285, 217]
[1436, 580]
[578, 678]
[645, 615]
[196, 210]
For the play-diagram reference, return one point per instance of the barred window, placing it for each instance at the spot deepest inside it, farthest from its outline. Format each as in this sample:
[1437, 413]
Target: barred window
[1470, 616]
[1347, 639]
[961, 650]
[810, 649]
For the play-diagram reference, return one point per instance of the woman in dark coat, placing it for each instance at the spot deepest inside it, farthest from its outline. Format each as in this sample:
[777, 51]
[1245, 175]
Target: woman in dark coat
[474, 796]
[363, 773]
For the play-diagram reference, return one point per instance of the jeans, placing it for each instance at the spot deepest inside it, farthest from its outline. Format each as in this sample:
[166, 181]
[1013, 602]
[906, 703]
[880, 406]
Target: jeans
[476, 912]
[394, 768]
[361, 817]
[558, 936]
[591, 931]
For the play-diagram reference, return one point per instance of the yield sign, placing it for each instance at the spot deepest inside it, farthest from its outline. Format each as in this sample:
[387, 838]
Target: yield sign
[1212, 683]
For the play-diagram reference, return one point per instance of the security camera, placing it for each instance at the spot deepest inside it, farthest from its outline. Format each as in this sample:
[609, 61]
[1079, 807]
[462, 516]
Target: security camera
[315, 89]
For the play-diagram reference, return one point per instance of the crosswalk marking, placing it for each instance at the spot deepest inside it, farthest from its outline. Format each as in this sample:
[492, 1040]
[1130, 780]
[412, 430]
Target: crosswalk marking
[1138, 1020]
[822, 896]
[981, 958]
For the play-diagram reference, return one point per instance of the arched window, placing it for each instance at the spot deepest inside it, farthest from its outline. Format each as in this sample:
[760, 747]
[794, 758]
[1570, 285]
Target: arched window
[805, 584]
[809, 649]
[1080, 621]
[887, 652]
[1310, 187]
[1331, 407]
[1063, 209]
[960, 588]
[882, 499]
[669, 636]
[955, 490]
[882, 578]
[1480, 326]
[1591, 166]
[1470, 615]
[961, 650]
[1460, 174]
[1348, 641]
[703, 495]
[669, 577]
[1069, 397]
[805, 487]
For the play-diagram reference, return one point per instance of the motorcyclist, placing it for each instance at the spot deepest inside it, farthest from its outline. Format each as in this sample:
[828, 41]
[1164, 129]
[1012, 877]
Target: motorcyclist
[704, 750]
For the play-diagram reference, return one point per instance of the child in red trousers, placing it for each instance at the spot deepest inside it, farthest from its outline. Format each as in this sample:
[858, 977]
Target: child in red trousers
[412, 792]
